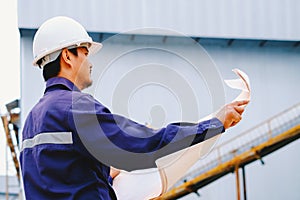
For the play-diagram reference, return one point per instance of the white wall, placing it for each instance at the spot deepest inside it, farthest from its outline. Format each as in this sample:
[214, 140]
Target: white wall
[186, 85]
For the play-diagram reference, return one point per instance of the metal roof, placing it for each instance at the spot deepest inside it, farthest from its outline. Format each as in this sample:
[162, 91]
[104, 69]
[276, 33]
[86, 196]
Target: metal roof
[248, 19]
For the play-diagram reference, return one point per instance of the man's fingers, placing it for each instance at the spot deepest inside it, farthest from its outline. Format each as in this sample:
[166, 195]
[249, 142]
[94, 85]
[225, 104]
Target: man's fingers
[240, 103]
[233, 124]
[239, 109]
[237, 117]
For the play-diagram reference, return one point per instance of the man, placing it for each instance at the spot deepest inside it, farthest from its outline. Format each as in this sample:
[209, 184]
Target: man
[70, 140]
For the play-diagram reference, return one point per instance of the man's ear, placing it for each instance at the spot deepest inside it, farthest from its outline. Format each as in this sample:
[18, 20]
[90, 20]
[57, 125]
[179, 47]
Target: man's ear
[65, 55]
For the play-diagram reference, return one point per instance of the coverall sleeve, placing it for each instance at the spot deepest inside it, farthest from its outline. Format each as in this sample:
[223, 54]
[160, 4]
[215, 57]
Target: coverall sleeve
[117, 141]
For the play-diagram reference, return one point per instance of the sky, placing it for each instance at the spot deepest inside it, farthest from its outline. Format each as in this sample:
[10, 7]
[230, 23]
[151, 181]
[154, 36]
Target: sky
[10, 68]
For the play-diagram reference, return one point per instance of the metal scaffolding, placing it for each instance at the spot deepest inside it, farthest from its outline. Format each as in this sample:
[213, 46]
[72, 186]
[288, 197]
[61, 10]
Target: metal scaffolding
[11, 123]
[248, 147]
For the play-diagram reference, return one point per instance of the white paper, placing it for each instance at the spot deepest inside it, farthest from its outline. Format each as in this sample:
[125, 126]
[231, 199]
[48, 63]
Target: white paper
[150, 183]
[139, 184]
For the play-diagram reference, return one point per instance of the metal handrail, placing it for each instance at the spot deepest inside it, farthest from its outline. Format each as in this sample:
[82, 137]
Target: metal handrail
[264, 131]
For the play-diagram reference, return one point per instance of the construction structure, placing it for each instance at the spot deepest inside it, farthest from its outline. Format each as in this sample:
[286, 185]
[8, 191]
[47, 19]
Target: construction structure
[247, 147]
[11, 125]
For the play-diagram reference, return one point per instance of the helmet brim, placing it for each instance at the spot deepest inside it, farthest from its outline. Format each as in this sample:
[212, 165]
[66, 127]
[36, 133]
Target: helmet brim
[94, 48]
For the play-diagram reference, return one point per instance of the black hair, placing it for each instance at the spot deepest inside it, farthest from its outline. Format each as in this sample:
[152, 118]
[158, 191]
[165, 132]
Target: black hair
[52, 69]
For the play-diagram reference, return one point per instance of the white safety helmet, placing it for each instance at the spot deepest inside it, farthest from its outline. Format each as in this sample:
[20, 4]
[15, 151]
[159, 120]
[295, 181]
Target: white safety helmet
[58, 33]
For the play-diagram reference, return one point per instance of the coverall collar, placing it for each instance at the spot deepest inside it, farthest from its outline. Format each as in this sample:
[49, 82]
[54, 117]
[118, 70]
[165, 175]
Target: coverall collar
[61, 81]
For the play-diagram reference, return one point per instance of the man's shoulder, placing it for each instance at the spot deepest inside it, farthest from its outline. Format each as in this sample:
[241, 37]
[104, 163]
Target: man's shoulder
[81, 96]
[68, 95]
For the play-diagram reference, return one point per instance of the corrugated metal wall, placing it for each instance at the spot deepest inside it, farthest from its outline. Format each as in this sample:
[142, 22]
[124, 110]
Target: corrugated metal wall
[254, 19]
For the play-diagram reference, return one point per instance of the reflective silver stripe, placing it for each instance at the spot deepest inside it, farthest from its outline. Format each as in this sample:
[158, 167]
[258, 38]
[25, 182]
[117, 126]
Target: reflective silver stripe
[48, 138]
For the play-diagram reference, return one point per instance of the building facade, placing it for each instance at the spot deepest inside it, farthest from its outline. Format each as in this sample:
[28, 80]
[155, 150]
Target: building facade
[166, 61]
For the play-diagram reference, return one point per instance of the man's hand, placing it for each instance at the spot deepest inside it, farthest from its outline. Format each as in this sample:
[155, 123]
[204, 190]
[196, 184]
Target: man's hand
[231, 114]
[114, 172]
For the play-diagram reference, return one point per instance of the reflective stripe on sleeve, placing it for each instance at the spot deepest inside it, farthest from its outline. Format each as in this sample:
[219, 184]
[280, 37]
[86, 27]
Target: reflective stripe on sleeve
[48, 138]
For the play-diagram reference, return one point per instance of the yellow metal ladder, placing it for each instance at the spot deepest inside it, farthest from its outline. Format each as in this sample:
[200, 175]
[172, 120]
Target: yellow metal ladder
[11, 129]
